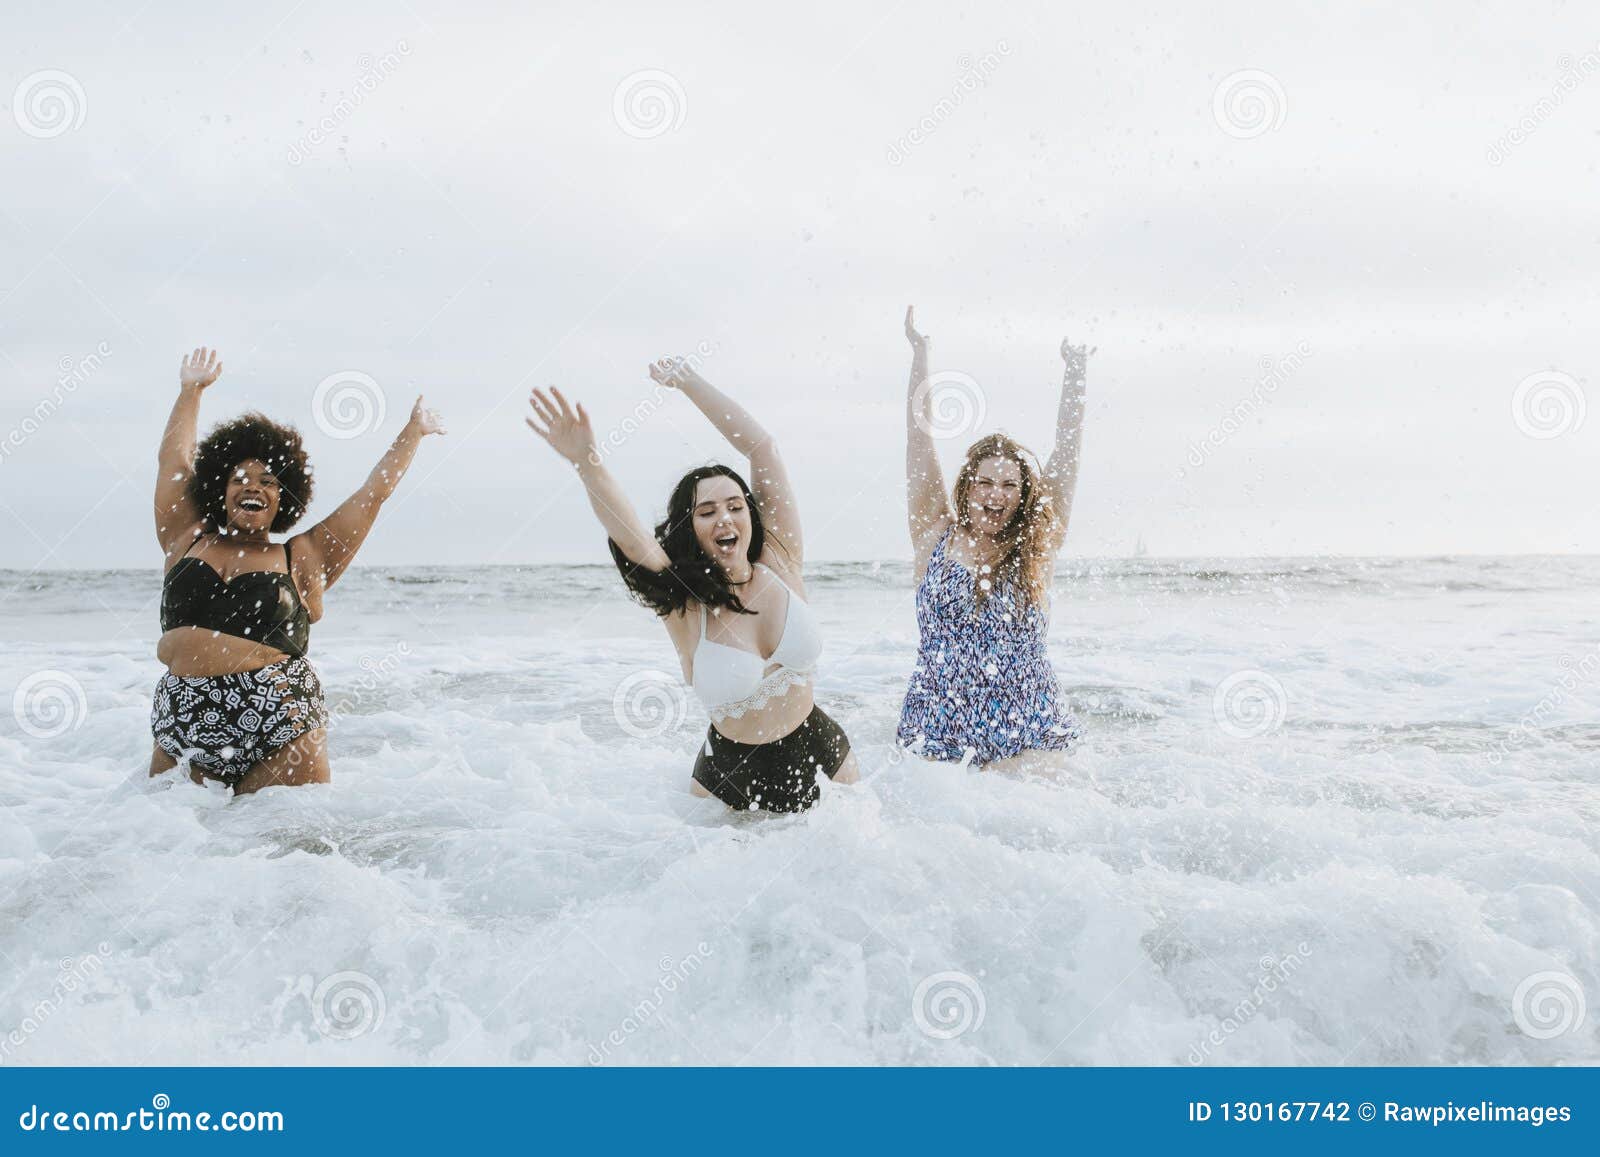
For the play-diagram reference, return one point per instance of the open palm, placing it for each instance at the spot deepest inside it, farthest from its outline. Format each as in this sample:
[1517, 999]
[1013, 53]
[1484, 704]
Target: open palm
[199, 369]
[566, 429]
[426, 420]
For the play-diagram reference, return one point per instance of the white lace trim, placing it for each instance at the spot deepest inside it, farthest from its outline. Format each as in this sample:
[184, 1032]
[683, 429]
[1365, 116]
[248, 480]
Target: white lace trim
[774, 686]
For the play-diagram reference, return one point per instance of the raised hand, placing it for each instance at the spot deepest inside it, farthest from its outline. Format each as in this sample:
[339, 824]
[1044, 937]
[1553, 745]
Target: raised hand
[568, 431]
[425, 420]
[675, 373]
[1076, 358]
[199, 369]
[919, 342]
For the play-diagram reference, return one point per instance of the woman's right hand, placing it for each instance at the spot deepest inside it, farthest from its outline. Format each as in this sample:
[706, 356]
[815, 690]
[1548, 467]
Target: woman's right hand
[199, 369]
[919, 342]
[568, 432]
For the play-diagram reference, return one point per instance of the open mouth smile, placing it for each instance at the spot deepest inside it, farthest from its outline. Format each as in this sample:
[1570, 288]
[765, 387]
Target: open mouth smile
[252, 504]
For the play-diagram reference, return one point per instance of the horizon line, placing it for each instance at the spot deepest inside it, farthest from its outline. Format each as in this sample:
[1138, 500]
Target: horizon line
[606, 565]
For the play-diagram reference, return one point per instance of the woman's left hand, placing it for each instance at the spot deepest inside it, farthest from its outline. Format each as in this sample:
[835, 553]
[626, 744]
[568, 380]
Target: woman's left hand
[675, 373]
[1077, 358]
[425, 420]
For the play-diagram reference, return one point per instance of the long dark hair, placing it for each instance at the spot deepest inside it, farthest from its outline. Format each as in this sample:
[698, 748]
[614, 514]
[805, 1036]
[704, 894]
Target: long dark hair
[691, 574]
[1024, 543]
[249, 436]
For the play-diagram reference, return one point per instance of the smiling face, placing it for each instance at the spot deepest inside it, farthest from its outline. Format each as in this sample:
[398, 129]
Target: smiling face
[722, 521]
[994, 495]
[251, 499]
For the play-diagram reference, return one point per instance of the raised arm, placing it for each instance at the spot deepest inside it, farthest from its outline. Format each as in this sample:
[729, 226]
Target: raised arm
[1061, 470]
[569, 434]
[927, 501]
[769, 480]
[333, 542]
[176, 515]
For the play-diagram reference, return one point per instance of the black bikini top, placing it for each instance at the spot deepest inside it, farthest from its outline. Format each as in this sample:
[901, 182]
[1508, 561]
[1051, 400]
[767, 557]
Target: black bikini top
[260, 605]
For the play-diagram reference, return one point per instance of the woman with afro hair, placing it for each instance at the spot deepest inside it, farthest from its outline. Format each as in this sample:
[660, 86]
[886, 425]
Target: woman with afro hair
[239, 702]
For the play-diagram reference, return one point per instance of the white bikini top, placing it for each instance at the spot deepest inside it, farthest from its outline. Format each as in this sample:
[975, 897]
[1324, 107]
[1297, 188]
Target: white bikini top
[731, 681]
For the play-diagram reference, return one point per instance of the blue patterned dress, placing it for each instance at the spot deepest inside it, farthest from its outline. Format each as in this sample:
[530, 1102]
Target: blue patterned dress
[983, 681]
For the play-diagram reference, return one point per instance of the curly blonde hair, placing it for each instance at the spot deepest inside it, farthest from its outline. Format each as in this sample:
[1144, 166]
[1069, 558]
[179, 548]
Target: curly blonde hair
[1026, 540]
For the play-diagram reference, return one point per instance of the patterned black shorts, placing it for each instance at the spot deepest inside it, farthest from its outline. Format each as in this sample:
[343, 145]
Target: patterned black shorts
[223, 725]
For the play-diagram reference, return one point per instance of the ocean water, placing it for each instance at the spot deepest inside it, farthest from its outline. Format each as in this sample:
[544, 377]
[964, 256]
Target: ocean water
[1326, 812]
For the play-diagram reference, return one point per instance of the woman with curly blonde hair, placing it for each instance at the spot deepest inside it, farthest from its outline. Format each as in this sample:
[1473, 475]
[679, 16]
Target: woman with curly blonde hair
[983, 690]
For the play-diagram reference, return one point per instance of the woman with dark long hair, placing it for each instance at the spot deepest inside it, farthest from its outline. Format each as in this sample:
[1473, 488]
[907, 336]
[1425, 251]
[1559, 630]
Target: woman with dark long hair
[240, 702]
[983, 690]
[723, 571]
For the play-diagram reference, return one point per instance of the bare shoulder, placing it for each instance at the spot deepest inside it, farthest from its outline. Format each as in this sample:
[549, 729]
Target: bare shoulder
[305, 552]
[683, 628]
[785, 567]
[684, 620]
[925, 542]
[180, 542]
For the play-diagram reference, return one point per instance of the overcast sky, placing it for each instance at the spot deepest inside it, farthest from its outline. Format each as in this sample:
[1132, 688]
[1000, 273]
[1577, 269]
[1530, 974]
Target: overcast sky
[468, 199]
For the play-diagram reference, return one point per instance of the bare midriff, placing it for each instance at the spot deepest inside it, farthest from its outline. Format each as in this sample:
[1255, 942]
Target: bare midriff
[779, 717]
[202, 651]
